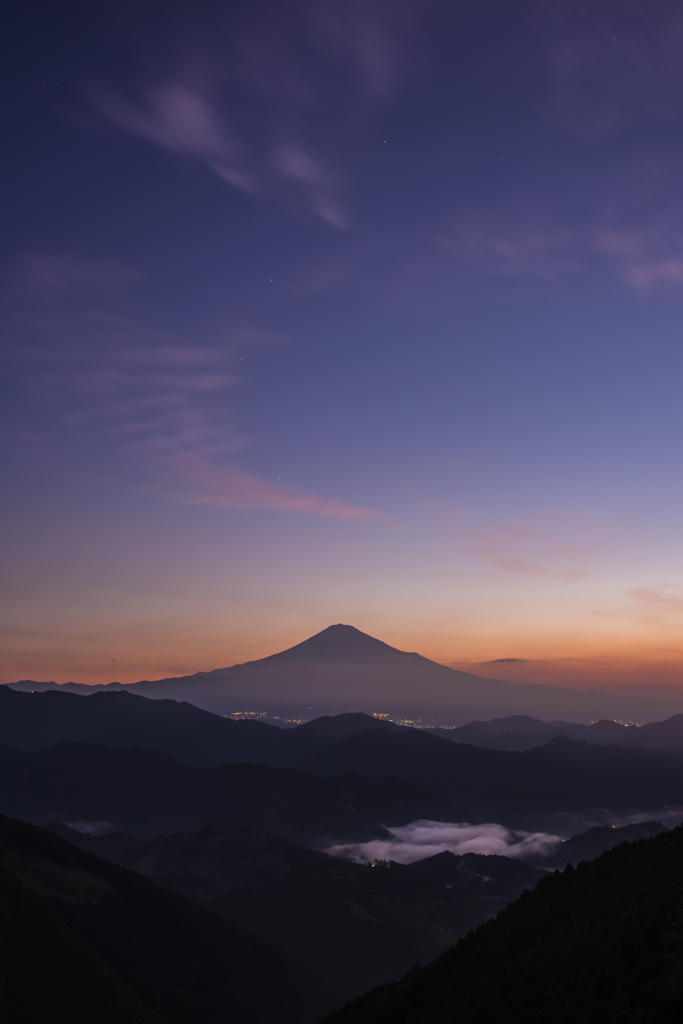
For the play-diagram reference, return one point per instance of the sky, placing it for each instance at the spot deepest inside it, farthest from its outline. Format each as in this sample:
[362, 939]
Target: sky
[361, 311]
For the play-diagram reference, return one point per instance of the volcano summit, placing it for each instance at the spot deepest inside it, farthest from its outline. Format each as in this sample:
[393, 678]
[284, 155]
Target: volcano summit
[342, 669]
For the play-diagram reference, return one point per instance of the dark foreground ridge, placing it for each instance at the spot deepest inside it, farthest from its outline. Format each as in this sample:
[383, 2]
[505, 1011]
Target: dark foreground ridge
[602, 943]
[83, 940]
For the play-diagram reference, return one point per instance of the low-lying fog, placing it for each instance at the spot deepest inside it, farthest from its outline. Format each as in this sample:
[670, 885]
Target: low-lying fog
[423, 839]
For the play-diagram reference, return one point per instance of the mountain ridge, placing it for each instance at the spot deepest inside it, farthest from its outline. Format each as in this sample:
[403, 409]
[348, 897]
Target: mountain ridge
[342, 669]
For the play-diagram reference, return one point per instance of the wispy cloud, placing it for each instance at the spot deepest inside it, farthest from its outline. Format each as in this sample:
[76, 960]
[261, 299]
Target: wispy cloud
[270, 97]
[563, 552]
[158, 399]
[660, 602]
[528, 244]
[422, 839]
[513, 244]
[181, 119]
[612, 65]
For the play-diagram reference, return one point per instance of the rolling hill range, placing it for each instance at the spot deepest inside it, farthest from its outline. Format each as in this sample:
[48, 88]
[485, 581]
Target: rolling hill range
[119, 718]
[520, 732]
[349, 791]
[148, 793]
[617, 777]
[342, 669]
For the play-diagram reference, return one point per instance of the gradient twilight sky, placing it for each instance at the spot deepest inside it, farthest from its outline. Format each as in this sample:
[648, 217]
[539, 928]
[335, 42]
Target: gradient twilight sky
[363, 311]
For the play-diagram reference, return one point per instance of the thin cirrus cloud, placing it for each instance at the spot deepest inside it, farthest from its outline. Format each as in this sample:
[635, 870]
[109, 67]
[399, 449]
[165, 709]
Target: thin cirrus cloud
[660, 602]
[315, 74]
[422, 839]
[612, 65]
[564, 555]
[157, 400]
[528, 245]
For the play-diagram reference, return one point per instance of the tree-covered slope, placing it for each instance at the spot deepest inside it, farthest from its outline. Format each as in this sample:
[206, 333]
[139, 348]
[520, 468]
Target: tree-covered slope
[599, 944]
[85, 940]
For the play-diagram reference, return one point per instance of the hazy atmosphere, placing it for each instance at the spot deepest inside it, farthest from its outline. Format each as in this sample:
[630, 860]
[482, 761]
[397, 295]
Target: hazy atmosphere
[341, 633]
[344, 312]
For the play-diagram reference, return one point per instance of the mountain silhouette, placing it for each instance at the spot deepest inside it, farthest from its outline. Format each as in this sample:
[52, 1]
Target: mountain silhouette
[602, 942]
[340, 641]
[359, 925]
[86, 940]
[342, 669]
[146, 793]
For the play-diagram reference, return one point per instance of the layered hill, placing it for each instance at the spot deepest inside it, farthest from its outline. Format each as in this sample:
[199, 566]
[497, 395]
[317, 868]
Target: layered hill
[147, 793]
[342, 669]
[85, 940]
[600, 943]
[350, 791]
[520, 732]
[358, 924]
[616, 777]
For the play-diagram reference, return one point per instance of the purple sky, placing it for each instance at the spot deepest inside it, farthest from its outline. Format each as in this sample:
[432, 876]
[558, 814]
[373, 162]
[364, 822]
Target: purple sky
[344, 311]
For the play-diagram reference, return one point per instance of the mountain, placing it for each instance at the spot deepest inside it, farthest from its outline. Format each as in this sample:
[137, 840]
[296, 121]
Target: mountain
[31, 720]
[118, 718]
[347, 792]
[595, 841]
[342, 669]
[146, 793]
[520, 732]
[600, 943]
[360, 925]
[85, 940]
[618, 778]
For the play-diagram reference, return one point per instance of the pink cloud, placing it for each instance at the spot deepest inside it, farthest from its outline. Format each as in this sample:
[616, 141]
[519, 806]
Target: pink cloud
[293, 61]
[658, 602]
[528, 244]
[231, 488]
[65, 274]
[560, 553]
[179, 118]
[158, 399]
[647, 255]
[612, 65]
[422, 839]
[520, 243]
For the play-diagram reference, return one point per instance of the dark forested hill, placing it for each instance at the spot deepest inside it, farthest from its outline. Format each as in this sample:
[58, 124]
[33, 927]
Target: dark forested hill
[619, 777]
[360, 925]
[147, 793]
[29, 721]
[520, 732]
[119, 718]
[602, 943]
[84, 940]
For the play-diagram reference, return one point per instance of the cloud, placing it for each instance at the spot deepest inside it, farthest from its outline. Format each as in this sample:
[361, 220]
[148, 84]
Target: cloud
[658, 602]
[506, 661]
[520, 243]
[528, 244]
[270, 97]
[612, 65]
[157, 400]
[233, 489]
[180, 119]
[421, 839]
[92, 828]
[562, 552]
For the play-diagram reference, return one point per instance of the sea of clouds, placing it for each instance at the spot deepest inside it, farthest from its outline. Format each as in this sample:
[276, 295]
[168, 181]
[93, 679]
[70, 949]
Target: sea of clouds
[421, 839]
